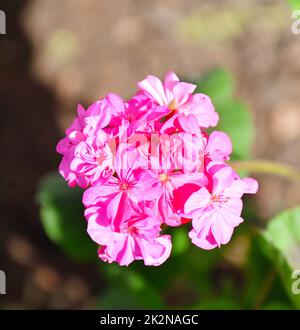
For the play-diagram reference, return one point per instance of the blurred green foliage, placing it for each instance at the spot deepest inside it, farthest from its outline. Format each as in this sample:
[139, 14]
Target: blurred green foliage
[61, 213]
[295, 4]
[252, 272]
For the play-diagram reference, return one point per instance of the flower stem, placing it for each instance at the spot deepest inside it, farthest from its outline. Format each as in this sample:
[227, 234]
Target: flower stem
[267, 167]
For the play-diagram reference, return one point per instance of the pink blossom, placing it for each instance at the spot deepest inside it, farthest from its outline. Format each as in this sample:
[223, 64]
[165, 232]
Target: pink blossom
[93, 159]
[163, 183]
[217, 211]
[186, 110]
[66, 147]
[135, 237]
[139, 114]
[198, 150]
[131, 185]
[87, 124]
[218, 146]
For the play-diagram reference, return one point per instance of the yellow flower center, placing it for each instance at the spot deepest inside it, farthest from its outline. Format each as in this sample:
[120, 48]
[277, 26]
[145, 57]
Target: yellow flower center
[163, 177]
[172, 105]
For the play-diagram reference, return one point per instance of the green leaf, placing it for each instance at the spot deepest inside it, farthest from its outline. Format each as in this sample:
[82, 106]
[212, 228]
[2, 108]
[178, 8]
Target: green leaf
[218, 84]
[61, 213]
[280, 242]
[236, 121]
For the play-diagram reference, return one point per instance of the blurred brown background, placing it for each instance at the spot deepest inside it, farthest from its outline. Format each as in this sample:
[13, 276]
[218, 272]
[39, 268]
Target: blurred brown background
[60, 53]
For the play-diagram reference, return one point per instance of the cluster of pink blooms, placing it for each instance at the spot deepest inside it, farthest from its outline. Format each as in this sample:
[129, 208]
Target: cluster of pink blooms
[149, 163]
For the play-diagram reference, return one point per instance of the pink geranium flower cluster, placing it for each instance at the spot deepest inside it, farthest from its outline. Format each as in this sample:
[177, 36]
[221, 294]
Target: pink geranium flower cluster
[148, 163]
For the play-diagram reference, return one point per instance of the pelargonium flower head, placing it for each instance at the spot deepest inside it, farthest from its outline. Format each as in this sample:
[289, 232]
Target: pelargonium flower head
[148, 163]
[217, 211]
